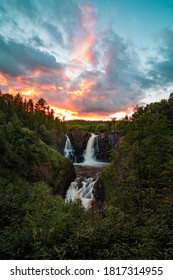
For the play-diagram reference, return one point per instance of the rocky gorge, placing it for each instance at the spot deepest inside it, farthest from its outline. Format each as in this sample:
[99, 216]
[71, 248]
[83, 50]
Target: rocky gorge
[86, 185]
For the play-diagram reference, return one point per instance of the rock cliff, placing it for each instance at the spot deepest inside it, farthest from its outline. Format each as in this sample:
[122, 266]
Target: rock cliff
[107, 142]
[79, 139]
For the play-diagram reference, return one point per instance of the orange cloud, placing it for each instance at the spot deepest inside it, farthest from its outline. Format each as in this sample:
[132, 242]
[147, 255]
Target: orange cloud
[84, 42]
[28, 92]
[86, 85]
[3, 80]
[48, 86]
[60, 88]
[76, 92]
[122, 114]
[83, 49]
[64, 113]
[73, 114]
[83, 88]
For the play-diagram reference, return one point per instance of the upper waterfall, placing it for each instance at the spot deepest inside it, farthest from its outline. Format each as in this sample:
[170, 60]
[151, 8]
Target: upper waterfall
[68, 149]
[89, 154]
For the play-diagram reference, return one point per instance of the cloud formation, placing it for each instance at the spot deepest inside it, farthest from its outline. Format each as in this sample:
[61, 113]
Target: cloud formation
[57, 50]
[162, 68]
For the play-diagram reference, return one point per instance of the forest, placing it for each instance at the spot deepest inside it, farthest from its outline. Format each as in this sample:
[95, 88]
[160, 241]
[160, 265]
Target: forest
[135, 221]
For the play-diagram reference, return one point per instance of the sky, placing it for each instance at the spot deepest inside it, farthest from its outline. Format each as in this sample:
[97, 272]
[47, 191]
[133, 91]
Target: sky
[88, 59]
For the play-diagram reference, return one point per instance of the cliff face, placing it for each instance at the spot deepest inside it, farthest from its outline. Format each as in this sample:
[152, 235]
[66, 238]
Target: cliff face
[60, 143]
[79, 139]
[107, 142]
[64, 178]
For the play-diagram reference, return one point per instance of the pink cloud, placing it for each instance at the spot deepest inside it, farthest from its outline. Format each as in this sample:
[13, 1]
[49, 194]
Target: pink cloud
[85, 40]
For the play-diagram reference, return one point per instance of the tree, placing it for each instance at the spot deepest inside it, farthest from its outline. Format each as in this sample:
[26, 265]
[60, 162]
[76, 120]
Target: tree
[30, 106]
[41, 105]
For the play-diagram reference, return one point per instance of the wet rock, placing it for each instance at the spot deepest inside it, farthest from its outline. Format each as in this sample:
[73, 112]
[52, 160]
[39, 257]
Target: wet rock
[79, 140]
[91, 172]
[83, 171]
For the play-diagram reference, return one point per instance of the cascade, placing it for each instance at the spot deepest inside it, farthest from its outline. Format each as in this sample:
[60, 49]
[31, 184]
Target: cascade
[68, 149]
[84, 193]
[89, 154]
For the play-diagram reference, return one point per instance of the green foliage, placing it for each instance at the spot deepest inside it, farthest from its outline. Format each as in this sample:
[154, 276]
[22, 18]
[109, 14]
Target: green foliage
[45, 135]
[37, 117]
[138, 183]
[136, 219]
[90, 126]
[102, 127]
[24, 155]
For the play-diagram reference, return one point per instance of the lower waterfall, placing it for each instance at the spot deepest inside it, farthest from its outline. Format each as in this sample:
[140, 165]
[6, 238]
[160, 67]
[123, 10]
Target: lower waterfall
[84, 193]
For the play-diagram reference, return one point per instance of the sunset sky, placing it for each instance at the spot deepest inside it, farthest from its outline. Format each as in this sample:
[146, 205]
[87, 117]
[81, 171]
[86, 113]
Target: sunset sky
[88, 59]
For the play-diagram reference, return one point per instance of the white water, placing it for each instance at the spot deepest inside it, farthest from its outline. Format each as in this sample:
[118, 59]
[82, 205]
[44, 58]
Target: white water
[68, 149]
[89, 154]
[84, 194]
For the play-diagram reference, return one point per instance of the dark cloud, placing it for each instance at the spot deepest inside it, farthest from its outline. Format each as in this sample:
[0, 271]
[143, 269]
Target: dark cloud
[53, 32]
[25, 8]
[46, 19]
[37, 41]
[62, 13]
[19, 59]
[161, 71]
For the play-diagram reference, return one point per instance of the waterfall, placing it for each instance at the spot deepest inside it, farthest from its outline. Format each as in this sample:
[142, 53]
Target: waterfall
[82, 187]
[68, 150]
[84, 193]
[89, 154]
